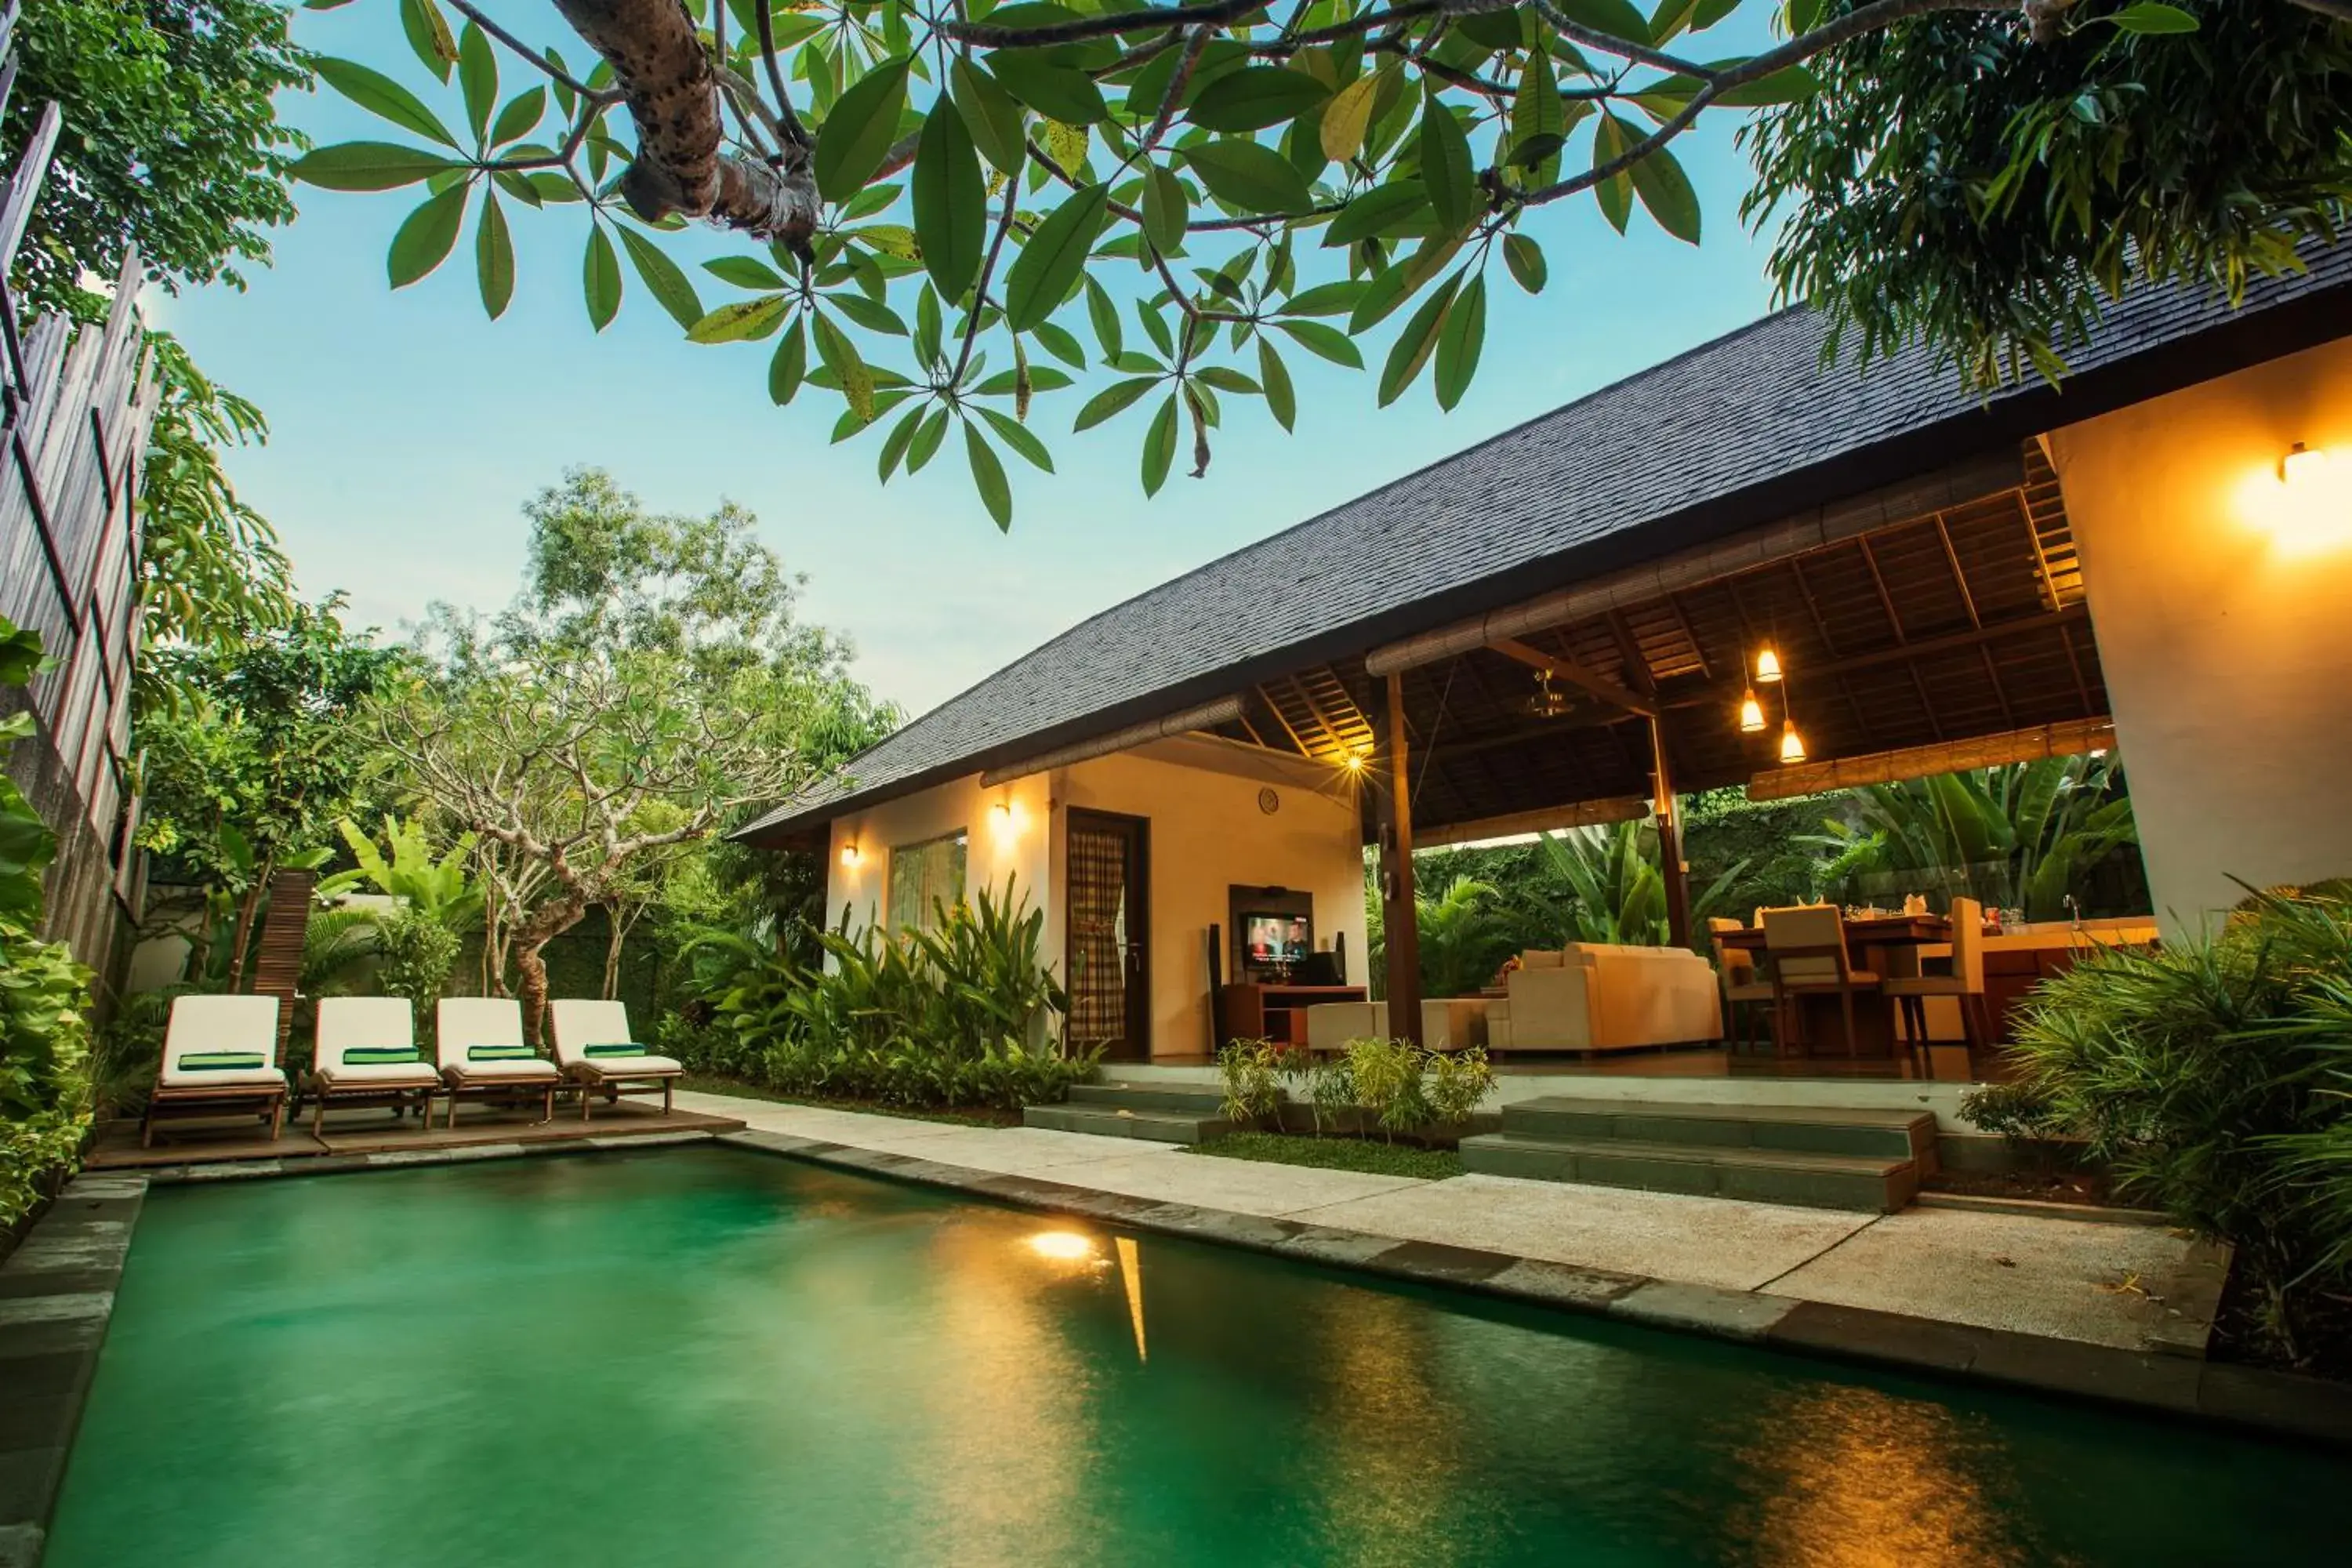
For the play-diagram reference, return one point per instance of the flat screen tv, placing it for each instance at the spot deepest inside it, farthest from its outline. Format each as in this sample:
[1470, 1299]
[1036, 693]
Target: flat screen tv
[1276, 939]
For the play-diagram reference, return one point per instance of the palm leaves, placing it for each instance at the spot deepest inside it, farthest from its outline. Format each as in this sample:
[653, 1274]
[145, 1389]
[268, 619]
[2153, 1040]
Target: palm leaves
[2024, 834]
[1621, 895]
[1462, 937]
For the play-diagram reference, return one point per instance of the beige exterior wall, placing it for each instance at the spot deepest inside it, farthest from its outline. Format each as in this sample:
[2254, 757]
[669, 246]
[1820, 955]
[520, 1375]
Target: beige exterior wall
[1207, 834]
[2223, 604]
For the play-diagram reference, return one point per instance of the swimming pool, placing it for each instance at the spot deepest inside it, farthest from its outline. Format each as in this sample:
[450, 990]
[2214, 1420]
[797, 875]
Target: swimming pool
[709, 1356]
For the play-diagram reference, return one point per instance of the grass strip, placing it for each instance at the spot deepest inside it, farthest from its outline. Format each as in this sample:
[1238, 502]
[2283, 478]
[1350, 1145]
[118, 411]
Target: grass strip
[1336, 1154]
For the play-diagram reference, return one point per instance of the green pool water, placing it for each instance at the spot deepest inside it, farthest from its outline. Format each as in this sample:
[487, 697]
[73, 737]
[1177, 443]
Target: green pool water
[703, 1356]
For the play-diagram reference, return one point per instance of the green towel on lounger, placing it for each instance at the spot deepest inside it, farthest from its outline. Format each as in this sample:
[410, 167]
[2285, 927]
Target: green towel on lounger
[379, 1056]
[222, 1061]
[498, 1053]
[624, 1050]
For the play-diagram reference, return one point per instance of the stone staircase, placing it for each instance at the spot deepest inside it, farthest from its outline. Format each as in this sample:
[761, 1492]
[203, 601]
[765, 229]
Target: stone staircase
[1820, 1157]
[1164, 1113]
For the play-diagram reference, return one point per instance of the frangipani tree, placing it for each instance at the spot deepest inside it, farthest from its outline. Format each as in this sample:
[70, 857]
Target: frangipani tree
[955, 208]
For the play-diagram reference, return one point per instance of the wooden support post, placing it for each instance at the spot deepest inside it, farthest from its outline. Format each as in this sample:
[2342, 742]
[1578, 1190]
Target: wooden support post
[1399, 919]
[1670, 843]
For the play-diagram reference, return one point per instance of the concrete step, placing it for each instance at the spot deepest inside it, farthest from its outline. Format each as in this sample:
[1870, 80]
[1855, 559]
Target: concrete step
[1904, 1135]
[1119, 1121]
[1759, 1176]
[1191, 1100]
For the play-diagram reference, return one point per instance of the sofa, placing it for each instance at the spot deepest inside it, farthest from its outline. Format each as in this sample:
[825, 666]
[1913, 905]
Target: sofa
[1599, 996]
[1446, 1024]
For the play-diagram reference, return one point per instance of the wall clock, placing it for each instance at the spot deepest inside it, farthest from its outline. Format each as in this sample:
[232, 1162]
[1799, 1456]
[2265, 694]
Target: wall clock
[1269, 802]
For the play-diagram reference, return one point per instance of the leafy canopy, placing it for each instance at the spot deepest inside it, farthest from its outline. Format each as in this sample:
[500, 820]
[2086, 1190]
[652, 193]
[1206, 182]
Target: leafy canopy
[957, 209]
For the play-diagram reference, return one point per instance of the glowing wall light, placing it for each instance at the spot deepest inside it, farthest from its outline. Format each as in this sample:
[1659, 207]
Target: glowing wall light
[849, 856]
[2303, 467]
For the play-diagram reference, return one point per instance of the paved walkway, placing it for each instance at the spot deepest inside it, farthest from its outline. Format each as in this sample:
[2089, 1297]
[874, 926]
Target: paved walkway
[2125, 1287]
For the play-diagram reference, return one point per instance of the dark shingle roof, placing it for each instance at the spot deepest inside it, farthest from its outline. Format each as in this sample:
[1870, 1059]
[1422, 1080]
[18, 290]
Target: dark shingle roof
[1739, 431]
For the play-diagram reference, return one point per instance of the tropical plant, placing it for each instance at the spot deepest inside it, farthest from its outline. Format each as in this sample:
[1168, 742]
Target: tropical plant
[335, 944]
[1386, 1078]
[418, 951]
[1253, 1071]
[2023, 834]
[1344, 160]
[1330, 1091]
[406, 869]
[1462, 937]
[2210, 1077]
[1621, 897]
[1457, 1082]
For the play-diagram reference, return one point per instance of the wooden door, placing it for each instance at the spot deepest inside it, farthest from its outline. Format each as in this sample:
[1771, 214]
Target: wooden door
[1109, 960]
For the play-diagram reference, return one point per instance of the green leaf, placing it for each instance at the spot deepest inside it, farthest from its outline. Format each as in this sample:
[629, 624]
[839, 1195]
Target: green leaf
[1324, 300]
[874, 318]
[427, 237]
[1445, 167]
[1254, 178]
[494, 266]
[1228, 380]
[1525, 258]
[1104, 314]
[745, 272]
[1615, 194]
[1618, 19]
[1329, 343]
[2148, 16]
[1159, 447]
[989, 475]
[740, 321]
[1417, 343]
[990, 115]
[1254, 98]
[789, 368]
[367, 166]
[600, 279]
[950, 201]
[1458, 344]
[840, 356]
[857, 136]
[927, 440]
[1281, 398]
[520, 116]
[894, 445]
[1018, 436]
[1349, 115]
[1056, 253]
[663, 278]
[428, 34]
[1793, 84]
[1060, 344]
[1538, 118]
[1377, 211]
[928, 325]
[1117, 396]
[1057, 92]
[478, 77]
[383, 97]
[1665, 189]
[1167, 211]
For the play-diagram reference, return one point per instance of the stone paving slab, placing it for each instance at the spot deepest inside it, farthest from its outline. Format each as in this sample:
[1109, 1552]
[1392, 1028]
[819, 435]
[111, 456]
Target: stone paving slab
[1722, 1242]
[2100, 1284]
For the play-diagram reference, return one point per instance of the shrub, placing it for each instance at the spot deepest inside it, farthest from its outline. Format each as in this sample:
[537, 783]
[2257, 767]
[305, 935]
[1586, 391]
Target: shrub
[1253, 1071]
[2213, 1079]
[416, 952]
[1387, 1078]
[1330, 1090]
[1457, 1081]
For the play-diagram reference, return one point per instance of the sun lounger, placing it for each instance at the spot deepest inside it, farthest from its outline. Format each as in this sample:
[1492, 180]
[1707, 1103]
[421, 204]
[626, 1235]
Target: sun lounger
[219, 1052]
[593, 1043]
[478, 1042]
[367, 1052]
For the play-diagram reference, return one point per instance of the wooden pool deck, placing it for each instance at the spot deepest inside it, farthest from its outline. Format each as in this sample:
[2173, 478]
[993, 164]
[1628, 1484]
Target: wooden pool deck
[233, 1140]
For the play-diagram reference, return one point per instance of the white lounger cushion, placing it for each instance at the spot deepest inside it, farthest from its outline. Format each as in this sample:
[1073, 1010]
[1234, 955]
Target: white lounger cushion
[348, 1023]
[377, 1075]
[578, 1025]
[201, 1024]
[461, 1023]
[625, 1067]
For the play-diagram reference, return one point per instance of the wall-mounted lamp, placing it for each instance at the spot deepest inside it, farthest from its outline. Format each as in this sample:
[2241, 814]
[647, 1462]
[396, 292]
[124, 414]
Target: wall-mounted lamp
[1751, 713]
[1354, 762]
[1005, 819]
[1768, 666]
[849, 855]
[2303, 465]
[1792, 745]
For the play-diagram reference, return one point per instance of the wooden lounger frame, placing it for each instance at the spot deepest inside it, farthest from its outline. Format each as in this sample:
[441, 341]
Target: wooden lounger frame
[456, 1086]
[397, 1096]
[191, 1101]
[592, 1080]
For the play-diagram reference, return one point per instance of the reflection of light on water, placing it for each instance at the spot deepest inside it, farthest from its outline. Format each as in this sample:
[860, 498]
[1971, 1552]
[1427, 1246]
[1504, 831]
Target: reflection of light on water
[1847, 1475]
[1392, 1438]
[1063, 1246]
[1130, 1268]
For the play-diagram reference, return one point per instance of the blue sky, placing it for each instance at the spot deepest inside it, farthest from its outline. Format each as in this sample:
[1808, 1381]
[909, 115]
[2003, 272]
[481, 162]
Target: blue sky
[408, 429]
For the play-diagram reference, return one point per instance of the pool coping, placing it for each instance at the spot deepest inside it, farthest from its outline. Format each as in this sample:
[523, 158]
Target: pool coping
[2250, 1398]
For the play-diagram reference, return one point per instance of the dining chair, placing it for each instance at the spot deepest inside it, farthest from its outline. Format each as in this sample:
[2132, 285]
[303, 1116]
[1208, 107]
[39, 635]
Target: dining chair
[1744, 990]
[1965, 984]
[1805, 949]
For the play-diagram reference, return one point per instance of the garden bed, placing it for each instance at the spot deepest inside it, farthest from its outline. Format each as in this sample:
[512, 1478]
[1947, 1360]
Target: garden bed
[960, 1116]
[1375, 1159]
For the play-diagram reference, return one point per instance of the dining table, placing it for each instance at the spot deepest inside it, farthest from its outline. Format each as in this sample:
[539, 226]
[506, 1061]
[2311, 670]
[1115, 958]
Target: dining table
[1885, 944]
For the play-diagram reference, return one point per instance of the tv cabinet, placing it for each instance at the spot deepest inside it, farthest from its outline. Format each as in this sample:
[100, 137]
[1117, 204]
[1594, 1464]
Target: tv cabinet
[1250, 1010]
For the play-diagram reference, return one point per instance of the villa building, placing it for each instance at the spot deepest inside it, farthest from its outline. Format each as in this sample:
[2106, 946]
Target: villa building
[1560, 625]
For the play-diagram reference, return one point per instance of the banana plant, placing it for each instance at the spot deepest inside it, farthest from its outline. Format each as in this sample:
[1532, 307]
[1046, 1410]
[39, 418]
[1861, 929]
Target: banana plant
[1621, 895]
[2030, 830]
[437, 888]
[1462, 937]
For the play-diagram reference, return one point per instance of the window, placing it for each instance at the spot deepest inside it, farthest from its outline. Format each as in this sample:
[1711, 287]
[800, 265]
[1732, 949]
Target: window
[923, 878]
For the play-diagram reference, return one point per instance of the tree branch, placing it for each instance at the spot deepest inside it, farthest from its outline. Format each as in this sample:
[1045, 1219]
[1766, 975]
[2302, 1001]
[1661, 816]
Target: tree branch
[1083, 28]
